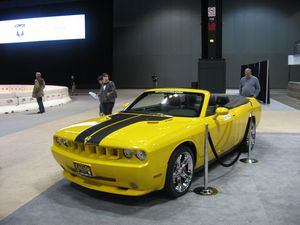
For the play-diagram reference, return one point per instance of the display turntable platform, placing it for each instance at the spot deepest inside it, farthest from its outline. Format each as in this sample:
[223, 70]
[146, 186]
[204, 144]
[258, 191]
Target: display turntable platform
[18, 98]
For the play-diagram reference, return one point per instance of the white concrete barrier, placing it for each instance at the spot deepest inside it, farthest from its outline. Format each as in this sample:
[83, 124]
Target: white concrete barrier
[294, 89]
[17, 98]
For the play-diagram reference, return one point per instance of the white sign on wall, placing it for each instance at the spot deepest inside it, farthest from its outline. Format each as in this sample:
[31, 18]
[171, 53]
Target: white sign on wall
[43, 29]
[294, 59]
[211, 11]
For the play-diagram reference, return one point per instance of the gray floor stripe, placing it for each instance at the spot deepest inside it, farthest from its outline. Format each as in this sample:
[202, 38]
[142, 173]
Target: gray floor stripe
[15, 122]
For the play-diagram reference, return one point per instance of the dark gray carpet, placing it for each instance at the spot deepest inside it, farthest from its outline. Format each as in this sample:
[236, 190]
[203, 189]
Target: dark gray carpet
[265, 193]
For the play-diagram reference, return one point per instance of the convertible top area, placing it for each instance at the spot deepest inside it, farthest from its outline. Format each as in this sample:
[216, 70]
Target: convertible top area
[227, 101]
[230, 101]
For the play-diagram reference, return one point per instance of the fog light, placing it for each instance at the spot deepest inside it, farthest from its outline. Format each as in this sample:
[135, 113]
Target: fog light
[141, 155]
[66, 143]
[133, 185]
[128, 153]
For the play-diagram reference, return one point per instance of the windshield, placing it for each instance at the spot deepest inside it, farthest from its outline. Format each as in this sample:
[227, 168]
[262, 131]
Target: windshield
[183, 104]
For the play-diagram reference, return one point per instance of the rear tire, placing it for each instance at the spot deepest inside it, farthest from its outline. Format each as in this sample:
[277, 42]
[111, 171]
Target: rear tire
[180, 172]
[251, 131]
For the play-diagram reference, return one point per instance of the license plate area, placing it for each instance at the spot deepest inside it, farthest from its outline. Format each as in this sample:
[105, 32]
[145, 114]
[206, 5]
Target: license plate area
[83, 169]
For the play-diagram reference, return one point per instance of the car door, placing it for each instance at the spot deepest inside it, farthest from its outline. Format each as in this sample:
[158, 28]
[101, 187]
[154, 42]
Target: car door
[241, 117]
[220, 128]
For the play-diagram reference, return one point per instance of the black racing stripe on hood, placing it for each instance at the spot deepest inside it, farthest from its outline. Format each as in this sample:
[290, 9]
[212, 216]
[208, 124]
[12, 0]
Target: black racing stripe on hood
[97, 137]
[114, 119]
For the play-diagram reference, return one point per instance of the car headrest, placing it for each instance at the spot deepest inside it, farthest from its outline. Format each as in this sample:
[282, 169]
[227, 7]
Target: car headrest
[222, 100]
[174, 101]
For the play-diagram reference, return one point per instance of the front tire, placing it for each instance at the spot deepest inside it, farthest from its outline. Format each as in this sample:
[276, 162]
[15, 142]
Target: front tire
[250, 132]
[180, 172]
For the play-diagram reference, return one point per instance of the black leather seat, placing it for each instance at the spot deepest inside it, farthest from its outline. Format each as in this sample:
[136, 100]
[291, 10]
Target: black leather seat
[222, 100]
[174, 102]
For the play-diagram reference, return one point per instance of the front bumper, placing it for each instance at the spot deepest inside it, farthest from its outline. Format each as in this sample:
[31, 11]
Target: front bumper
[112, 176]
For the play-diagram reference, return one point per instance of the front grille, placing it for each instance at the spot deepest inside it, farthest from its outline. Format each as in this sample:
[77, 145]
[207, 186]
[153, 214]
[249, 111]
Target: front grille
[96, 152]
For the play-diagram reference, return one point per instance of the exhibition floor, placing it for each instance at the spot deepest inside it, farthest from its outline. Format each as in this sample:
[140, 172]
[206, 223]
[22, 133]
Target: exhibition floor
[33, 191]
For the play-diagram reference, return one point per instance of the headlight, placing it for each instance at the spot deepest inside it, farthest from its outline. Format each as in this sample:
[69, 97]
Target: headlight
[128, 153]
[141, 155]
[59, 140]
[66, 143]
[62, 141]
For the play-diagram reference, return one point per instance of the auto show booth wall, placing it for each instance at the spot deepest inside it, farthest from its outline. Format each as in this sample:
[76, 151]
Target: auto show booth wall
[58, 60]
[136, 39]
[160, 38]
[163, 37]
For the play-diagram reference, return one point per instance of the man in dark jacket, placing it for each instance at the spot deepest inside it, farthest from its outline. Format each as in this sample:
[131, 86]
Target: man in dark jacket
[38, 91]
[107, 95]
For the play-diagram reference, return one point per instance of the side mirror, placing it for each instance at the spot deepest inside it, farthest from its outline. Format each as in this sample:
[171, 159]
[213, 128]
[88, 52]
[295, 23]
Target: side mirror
[222, 111]
[125, 105]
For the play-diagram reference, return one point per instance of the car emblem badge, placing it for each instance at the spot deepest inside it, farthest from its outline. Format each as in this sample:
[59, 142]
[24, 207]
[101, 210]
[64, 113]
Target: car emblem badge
[20, 29]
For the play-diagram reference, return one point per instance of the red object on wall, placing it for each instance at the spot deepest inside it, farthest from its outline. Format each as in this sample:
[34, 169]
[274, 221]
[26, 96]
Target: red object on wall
[212, 26]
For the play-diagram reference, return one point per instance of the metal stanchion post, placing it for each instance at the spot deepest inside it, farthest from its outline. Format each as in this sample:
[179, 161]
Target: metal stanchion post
[206, 190]
[249, 159]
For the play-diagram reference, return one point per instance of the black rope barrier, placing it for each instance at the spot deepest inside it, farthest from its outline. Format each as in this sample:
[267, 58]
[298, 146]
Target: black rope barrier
[239, 152]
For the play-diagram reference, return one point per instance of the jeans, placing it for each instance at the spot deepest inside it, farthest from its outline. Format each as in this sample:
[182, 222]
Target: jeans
[107, 107]
[41, 105]
[100, 109]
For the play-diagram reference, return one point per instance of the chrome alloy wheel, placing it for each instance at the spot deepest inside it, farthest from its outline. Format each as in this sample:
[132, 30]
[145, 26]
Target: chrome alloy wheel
[252, 134]
[183, 172]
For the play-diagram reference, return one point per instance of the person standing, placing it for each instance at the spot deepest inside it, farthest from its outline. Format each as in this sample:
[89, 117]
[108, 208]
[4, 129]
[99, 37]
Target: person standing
[107, 95]
[38, 91]
[100, 81]
[73, 85]
[249, 85]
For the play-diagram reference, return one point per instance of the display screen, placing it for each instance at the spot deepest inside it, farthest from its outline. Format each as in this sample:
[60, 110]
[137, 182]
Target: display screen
[42, 29]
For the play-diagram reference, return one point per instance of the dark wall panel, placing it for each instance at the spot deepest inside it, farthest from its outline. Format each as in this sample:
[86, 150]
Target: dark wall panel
[156, 37]
[259, 30]
[160, 37]
[295, 73]
[164, 37]
[58, 60]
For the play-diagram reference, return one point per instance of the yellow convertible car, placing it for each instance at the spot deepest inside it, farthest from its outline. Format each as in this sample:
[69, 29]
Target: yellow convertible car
[156, 142]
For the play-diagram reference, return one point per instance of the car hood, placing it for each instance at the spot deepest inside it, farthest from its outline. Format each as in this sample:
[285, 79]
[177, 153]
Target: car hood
[124, 130]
